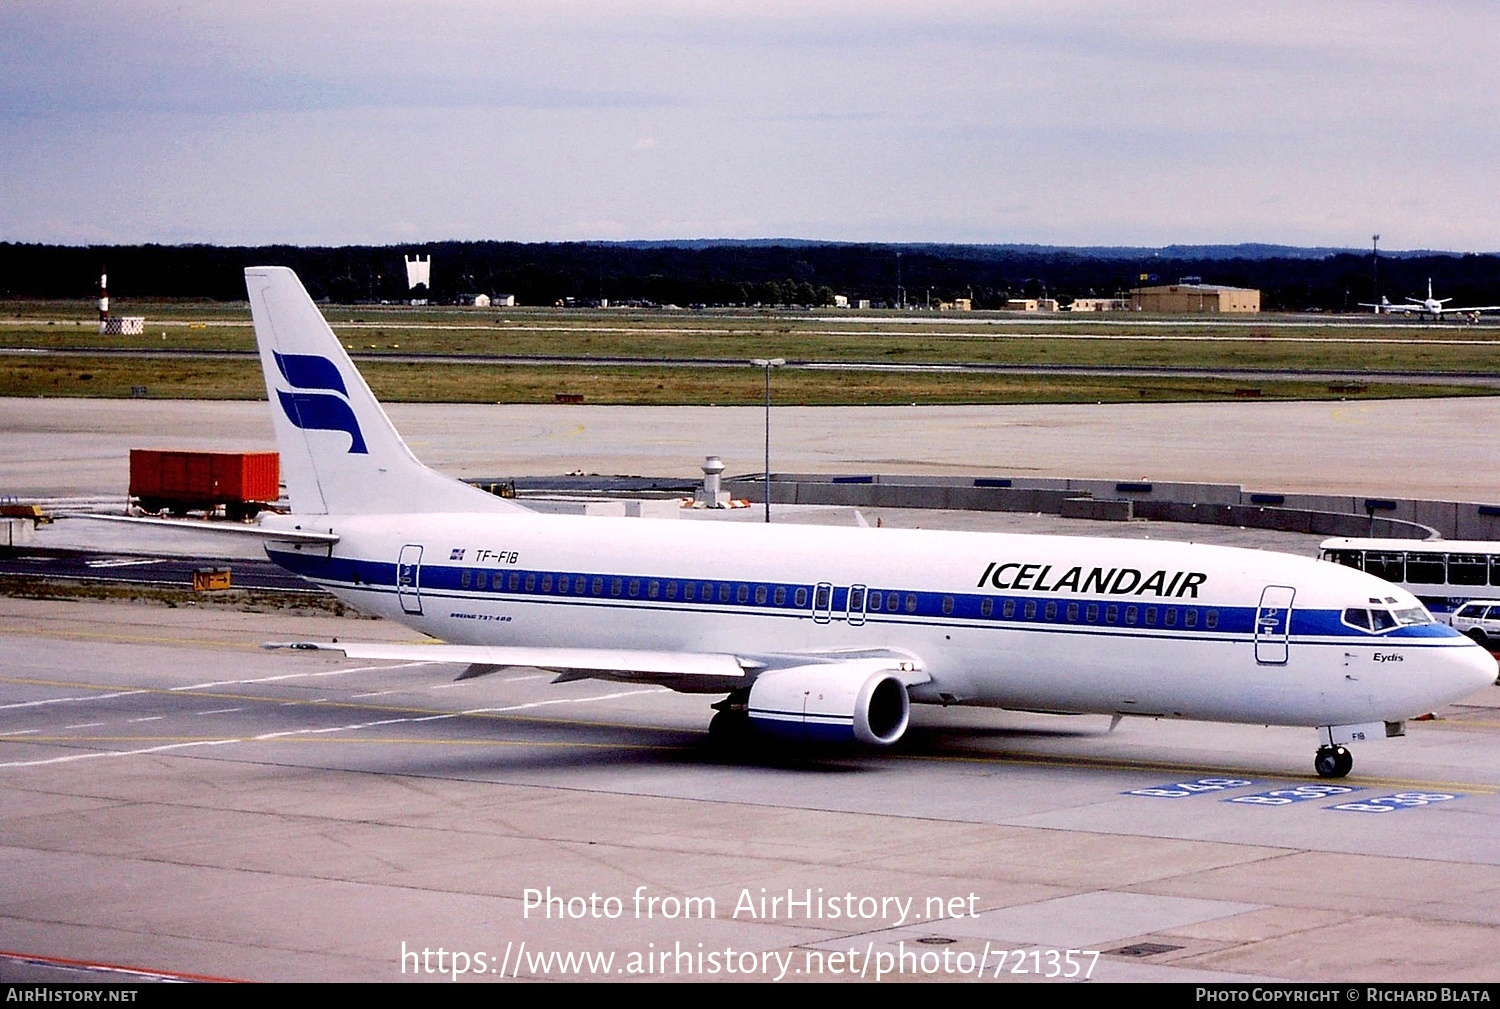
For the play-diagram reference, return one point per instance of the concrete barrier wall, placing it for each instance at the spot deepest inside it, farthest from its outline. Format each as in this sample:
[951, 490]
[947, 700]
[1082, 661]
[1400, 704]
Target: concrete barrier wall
[1212, 504]
[1295, 520]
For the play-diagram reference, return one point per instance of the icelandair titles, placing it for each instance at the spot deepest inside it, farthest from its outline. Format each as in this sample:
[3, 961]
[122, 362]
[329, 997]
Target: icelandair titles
[1103, 581]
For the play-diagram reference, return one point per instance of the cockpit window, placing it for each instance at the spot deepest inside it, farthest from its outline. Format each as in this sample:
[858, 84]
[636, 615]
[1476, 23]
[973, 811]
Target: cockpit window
[1377, 620]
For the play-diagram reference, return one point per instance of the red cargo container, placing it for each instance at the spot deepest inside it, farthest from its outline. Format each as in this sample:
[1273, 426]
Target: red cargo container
[242, 483]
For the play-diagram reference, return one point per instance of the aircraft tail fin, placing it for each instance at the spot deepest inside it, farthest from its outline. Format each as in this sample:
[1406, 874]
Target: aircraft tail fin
[340, 455]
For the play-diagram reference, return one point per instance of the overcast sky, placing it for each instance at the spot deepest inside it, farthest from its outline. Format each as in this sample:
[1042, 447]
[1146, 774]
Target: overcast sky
[1082, 123]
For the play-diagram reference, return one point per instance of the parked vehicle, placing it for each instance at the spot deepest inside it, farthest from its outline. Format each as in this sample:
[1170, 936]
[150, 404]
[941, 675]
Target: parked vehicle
[1480, 620]
[168, 481]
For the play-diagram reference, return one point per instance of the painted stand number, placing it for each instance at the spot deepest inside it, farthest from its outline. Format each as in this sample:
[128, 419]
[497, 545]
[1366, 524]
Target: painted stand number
[1284, 796]
[1183, 789]
[1391, 803]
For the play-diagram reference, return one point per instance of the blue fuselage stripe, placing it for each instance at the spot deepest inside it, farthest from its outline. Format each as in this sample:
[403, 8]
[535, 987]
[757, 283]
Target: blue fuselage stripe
[1114, 615]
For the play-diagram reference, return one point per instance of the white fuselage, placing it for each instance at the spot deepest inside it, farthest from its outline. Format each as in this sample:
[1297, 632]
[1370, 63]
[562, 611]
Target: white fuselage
[1050, 623]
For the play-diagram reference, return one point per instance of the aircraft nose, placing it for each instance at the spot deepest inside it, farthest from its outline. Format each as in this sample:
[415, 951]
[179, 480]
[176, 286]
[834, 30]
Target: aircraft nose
[1474, 668]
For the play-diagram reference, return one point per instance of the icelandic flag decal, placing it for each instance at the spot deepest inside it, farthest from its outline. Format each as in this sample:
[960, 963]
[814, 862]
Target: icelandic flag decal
[456, 555]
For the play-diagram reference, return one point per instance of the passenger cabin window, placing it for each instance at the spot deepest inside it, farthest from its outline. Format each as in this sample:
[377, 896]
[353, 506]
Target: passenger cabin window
[911, 603]
[1468, 569]
[1425, 569]
[801, 598]
[856, 599]
[986, 607]
[1349, 558]
[780, 596]
[1390, 566]
[1051, 610]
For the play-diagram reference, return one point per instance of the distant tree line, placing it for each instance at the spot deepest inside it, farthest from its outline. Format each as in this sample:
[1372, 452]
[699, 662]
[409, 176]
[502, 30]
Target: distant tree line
[745, 273]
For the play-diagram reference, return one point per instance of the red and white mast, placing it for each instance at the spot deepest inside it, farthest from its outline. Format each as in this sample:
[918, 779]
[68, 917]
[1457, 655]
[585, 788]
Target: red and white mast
[103, 300]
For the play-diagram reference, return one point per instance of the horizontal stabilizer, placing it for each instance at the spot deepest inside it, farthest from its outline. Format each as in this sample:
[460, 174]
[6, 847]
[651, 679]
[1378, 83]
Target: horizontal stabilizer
[226, 528]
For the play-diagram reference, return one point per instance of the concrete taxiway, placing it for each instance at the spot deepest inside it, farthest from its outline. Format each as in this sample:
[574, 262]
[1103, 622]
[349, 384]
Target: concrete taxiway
[179, 802]
[1441, 449]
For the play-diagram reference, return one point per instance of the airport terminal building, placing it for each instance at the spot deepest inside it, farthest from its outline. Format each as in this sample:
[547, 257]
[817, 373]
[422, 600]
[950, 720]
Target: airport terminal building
[1196, 298]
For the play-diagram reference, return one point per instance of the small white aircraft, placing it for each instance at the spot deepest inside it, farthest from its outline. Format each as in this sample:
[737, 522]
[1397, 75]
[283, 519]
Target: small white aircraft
[816, 633]
[1428, 307]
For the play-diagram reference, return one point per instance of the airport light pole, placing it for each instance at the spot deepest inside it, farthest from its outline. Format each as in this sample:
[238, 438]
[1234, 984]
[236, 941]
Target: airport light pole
[1375, 268]
[768, 363]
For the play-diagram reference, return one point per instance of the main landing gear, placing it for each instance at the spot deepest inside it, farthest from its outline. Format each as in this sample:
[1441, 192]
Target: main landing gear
[1333, 761]
[730, 732]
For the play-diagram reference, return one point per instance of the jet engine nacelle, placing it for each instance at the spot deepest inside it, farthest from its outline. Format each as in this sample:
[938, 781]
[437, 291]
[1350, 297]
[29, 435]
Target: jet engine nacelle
[834, 702]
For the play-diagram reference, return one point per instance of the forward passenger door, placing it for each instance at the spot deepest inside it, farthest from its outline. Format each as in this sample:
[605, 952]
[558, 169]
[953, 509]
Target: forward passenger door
[1273, 625]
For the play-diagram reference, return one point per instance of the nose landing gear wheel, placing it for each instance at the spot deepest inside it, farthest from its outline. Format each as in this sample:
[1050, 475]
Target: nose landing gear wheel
[1333, 762]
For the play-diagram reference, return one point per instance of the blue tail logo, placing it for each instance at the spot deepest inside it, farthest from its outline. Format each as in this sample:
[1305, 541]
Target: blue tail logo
[318, 411]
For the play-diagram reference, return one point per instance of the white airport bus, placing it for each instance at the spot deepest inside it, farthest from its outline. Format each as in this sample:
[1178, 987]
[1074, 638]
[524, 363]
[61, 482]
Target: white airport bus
[1444, 574]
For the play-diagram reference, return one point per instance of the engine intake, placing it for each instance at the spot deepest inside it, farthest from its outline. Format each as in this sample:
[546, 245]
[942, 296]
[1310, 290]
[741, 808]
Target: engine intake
[835, 702]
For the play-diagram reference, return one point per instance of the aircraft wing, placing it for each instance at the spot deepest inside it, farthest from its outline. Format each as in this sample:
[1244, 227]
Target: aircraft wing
[1475, 308]
[688, 672]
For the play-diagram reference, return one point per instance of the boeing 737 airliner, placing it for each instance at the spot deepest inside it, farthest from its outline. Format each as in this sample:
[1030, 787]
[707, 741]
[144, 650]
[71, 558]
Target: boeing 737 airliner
[820, 633]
